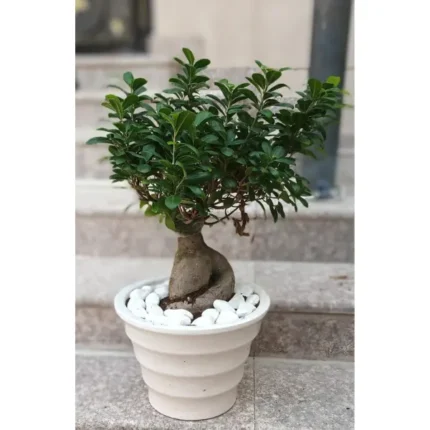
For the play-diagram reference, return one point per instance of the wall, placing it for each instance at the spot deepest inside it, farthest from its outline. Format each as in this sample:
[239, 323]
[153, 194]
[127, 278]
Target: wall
[233, 33]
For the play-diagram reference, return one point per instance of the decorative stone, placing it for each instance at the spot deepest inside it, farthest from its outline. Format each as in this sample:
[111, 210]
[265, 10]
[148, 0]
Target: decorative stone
[178, 319]
[145, 291]
[155, 310]
[179, 312]
[244, 289]
[236, 300]
[162, 291]
[211, 313]
[222, 305]
[245, 309]
[158, 319]
[152, 299]
[204, 321]
[141, 313]
[253, 299]
[137, 294]
[136, 303]
[227, 317]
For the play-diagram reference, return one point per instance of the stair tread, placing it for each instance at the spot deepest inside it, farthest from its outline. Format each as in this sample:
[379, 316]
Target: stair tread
[274, 393]
[292, 287]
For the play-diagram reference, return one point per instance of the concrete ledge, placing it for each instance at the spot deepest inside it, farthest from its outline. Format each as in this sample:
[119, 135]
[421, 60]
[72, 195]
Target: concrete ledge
[323, 232]
[311, 315]
[292, 287]
[274, 393]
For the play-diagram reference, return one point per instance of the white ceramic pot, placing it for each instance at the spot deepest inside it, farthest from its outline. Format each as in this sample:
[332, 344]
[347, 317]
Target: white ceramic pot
[192, 373]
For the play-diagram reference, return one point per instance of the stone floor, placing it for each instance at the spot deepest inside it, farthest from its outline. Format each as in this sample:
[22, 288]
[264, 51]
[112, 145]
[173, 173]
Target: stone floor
[274, 394]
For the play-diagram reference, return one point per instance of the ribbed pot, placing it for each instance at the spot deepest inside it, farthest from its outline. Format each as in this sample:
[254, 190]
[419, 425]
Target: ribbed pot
[192, 373]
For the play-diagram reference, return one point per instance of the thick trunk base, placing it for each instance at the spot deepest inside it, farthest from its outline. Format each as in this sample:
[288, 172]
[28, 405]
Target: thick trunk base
[199, 276]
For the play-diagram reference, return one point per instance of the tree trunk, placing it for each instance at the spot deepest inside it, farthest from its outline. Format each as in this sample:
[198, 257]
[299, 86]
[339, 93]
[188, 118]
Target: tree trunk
[199, 276]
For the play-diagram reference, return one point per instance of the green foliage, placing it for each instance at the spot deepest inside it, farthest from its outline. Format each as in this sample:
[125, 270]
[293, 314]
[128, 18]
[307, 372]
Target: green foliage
[188, 154]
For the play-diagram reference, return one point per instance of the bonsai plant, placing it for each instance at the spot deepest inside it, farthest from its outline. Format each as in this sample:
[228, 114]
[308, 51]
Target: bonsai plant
[195, 160]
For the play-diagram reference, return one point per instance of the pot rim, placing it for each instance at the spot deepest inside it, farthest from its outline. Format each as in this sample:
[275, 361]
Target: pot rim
[125, 314]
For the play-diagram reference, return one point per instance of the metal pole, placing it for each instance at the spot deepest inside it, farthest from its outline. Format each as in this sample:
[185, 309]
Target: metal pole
[328, 57]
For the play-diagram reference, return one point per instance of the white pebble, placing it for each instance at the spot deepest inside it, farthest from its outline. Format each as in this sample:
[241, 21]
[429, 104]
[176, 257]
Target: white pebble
[212, 313]
[137, 294]
[136, 303]
[204, 321]
[179, 312]
[253, 299]
[152, 299]
[155, 310]
[178, 319]
[158, 319]
[236, 300]
[162, 291]
[227, 317]
[145, 290]
[244, 289]
[222, 305]
[245, 309]
[141, 313]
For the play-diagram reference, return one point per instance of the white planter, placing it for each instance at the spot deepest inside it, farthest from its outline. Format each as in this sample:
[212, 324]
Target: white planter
[192, 373]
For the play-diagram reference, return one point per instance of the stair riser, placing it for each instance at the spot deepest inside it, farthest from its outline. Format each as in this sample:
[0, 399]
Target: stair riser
[99, 77]
[320, 238]
[290, 335]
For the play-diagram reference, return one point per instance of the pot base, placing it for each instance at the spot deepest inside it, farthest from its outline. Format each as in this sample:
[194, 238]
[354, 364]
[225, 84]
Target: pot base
[192, 373]
[192, 409]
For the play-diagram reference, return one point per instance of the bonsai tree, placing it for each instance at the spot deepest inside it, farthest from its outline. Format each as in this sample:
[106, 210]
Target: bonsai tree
[196, 159]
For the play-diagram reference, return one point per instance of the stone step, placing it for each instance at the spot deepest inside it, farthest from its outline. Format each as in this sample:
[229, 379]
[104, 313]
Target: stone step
[311, 314]
[274, 394]
[323, 232]
[96, 71]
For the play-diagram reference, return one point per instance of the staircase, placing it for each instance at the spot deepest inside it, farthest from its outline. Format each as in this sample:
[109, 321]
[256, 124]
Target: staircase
[300, 371]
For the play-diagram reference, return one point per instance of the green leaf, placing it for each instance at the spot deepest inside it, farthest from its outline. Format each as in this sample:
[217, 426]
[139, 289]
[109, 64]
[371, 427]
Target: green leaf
[315, 87]
[189, 55]
[198, 178]
[144, 168]
[250, 94]
[130, 100]
[335, 80]
[150, 211]
[196, 190]
[266, 148]
[278, 151]
[137, 83]
[200, 64]
[183, 121]
[280, 209]
[258, 78]
[96, 140]
[172, 202]
[288, 161]
[228, 152]
[303, 201]
[170, 224]
[272, 76]
[273, 211]
[210, 138]
[128, 79]
[202, 117]
[191, 147]
[229, 183]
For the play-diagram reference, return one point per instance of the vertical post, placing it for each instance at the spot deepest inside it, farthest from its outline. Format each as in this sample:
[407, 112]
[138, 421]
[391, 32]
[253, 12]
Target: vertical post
[328, 57]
